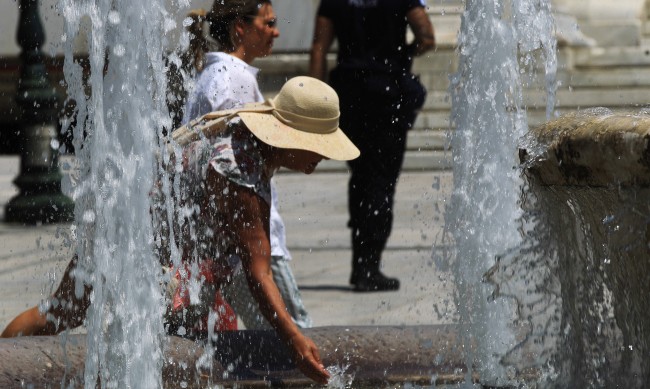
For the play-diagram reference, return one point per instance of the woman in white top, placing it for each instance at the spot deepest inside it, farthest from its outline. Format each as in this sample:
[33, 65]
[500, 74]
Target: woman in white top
[243, 30]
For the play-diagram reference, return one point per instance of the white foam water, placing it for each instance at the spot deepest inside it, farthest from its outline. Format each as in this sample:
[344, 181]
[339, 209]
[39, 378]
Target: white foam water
[499, 42]
[120, 115]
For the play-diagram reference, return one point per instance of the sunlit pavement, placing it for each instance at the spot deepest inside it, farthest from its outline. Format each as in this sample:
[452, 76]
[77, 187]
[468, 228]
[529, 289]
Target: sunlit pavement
[315, 212]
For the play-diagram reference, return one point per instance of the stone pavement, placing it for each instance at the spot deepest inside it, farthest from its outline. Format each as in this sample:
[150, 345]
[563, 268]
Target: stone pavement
[32, 258]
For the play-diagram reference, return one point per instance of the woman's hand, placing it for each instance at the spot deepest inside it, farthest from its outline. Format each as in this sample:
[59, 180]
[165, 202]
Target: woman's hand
[306, 356]
[249, 225]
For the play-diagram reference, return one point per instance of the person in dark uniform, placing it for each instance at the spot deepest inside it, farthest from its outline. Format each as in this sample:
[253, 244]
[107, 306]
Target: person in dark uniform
[380, 98]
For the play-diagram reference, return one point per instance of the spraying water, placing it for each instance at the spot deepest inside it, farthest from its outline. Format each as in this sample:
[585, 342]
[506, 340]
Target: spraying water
[119, 123]
[496, 39]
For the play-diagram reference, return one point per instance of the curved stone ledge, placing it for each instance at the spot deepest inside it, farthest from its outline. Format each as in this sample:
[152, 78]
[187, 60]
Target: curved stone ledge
[590, 149]
[588, 245]
[376, 356]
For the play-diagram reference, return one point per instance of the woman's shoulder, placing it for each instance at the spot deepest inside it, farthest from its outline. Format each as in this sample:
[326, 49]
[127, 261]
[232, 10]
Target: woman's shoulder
[237, 157]
[228, 82]
[227, 65]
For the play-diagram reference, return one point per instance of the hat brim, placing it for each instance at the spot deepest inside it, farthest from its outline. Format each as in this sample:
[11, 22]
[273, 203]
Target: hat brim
[267, 128]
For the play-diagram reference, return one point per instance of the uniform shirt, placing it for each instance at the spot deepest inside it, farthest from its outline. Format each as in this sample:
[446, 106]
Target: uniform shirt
[228, 82]
[371, 34]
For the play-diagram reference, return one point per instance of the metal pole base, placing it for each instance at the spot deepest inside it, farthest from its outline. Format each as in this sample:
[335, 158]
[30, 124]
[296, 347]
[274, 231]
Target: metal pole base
[40, 209]
[40, 199]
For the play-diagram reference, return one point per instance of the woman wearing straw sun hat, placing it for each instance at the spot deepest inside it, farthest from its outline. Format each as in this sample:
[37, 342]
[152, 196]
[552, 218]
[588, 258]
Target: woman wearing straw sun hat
[228, 159]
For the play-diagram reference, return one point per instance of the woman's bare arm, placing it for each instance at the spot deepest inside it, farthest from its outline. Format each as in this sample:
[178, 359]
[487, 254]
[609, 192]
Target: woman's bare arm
[66, 311]
[248, 219]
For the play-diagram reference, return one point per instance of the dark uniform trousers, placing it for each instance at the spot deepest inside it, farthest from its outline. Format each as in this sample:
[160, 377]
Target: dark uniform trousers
[377, 110]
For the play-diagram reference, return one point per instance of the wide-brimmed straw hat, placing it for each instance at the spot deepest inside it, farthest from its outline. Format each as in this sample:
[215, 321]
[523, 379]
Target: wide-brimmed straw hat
[303, 115]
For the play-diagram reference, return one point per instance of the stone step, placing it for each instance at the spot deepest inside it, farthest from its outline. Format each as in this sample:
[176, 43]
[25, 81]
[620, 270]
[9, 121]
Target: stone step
[437, 101]
[439, 141]
[612, 57]
[435, 137]
[446, 24]
[565, 98]
[427, 139]
[426, 150]
[446, 6]
[436, 120]
[414, 161]
[580, 98]
[632, 76]
[536, 116]
[645, 28]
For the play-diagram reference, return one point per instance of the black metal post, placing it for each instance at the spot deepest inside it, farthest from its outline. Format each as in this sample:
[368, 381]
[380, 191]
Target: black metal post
[40, 199]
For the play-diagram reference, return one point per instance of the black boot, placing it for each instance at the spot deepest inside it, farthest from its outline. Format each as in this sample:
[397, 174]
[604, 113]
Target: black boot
[374, 281]
[366, 276]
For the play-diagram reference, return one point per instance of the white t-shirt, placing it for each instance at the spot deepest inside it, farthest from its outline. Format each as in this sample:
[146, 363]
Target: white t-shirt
[228, 82]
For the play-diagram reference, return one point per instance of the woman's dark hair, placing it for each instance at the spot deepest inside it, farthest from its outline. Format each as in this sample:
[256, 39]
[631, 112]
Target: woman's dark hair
[221, 19]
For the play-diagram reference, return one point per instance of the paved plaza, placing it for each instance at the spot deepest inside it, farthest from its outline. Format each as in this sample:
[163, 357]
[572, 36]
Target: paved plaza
[32, 258]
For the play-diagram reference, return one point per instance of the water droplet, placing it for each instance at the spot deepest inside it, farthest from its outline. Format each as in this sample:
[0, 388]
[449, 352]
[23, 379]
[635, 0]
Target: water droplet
[114, 17]
[119, 50]
[89, 216]
[169, 25]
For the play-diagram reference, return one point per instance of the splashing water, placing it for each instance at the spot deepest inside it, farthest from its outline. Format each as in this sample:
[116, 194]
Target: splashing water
[118, 127]
[496, 38]
[339, 379]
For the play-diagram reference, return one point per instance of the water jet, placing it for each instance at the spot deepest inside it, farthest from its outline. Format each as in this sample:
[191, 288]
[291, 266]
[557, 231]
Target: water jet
[492, 101]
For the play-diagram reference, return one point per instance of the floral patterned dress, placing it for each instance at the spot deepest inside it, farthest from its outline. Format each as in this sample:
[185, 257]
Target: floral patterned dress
[209, 254]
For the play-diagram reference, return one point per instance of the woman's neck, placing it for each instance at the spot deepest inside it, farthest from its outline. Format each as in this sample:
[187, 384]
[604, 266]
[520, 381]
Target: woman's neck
[240, 53]
[272, 160]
